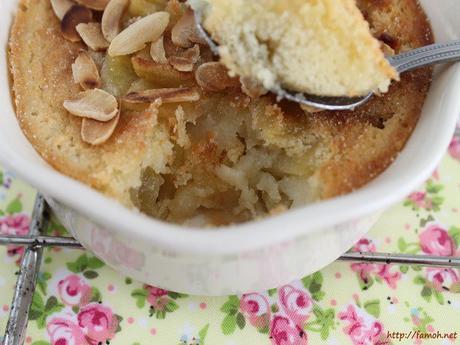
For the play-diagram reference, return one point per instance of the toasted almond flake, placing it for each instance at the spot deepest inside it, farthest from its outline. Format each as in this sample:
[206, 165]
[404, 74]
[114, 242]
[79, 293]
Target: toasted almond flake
[157, 51]
[137, 35]
[163, 75]
[91, 34]
[252, 88]
[85, 71]
[60, 7]
[185, 33]
[181, 64]
[97, 5]
[112, 17]
[185, 61]
[75, 15]
[169, 95]
[94, 104]
[213, 76]
[96, 132]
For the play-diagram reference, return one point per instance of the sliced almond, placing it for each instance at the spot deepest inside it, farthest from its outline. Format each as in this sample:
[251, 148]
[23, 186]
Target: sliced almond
[75, 15]
[60, 7]
[185, 33]
[96, 132]
[163, 75]
[252, 88]
[176, 9]
[213, 76]
[181, 64]
[137, 35]
[111, 18]
[170, 95]
[93, 104]
[85, 71]
[185, 61]
[157, 51]
[91, 34]
[97, 5]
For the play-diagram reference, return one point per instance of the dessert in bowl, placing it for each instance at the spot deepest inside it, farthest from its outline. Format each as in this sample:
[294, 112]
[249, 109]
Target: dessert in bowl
[188, 141]
[335, 154]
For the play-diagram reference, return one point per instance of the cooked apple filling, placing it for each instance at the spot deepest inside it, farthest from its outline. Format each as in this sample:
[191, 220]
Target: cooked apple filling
[148, 115]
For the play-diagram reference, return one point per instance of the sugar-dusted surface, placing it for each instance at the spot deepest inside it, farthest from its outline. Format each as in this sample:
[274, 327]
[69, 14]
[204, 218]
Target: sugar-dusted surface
[226, 158]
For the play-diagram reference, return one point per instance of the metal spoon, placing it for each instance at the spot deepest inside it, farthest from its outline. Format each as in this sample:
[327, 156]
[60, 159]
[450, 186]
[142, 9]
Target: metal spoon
[412, 59]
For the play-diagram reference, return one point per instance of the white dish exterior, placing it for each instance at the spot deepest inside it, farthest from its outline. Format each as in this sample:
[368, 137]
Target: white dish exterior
[252, 256]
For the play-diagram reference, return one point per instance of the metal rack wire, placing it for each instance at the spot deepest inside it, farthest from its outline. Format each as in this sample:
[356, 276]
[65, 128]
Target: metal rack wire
[30, 265]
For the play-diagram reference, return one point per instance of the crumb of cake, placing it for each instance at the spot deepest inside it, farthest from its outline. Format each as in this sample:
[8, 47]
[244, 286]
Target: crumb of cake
[315, 47]
[197, 146]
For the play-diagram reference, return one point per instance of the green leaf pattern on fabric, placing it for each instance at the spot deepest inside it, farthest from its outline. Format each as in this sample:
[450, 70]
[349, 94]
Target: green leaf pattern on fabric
[75, 287]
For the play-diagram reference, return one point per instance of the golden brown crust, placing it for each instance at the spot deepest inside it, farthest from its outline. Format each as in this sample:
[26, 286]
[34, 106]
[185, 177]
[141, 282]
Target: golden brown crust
[346, 149]
[40, 64]
[365, 142]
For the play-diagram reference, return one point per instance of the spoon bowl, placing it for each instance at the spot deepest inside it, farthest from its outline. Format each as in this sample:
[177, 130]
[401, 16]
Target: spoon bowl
[409, 60]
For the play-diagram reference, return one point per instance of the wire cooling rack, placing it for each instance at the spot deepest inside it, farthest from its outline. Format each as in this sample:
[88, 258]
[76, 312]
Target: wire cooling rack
[35, 242]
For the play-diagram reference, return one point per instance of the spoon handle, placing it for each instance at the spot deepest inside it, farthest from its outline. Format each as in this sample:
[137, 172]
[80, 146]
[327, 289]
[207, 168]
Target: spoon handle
[424, 56]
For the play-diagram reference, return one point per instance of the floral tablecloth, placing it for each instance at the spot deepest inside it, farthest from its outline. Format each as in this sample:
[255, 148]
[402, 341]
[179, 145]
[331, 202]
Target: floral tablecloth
[80, 301]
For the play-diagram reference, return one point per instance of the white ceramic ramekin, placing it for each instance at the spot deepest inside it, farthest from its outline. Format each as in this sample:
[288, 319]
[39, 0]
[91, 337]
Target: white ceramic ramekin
[253, 256]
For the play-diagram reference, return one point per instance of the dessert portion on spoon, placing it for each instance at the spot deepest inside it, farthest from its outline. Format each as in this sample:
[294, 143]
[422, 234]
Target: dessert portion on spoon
[322, 48]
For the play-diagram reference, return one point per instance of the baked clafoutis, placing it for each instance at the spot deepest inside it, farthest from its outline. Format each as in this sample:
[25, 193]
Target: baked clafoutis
[125, 96]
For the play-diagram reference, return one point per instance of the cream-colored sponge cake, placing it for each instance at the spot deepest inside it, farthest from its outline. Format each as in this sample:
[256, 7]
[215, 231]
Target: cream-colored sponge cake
[207, 153]
[321, 47]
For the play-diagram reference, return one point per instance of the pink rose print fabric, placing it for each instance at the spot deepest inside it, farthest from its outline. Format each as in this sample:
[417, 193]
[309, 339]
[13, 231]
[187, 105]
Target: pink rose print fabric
[63, 331]
[283, 315]
[256, 309]
[287, 325]
[420, 199]
[94, 324]
[454, 148]
[296, 303]
[285, 332]
[367, 272]
[81, 301]
[362, 328]
[442, 279]
[74, 291]
[436, 241]
[158, 298]
[15, 225]
[97, 322]
[76, 315]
